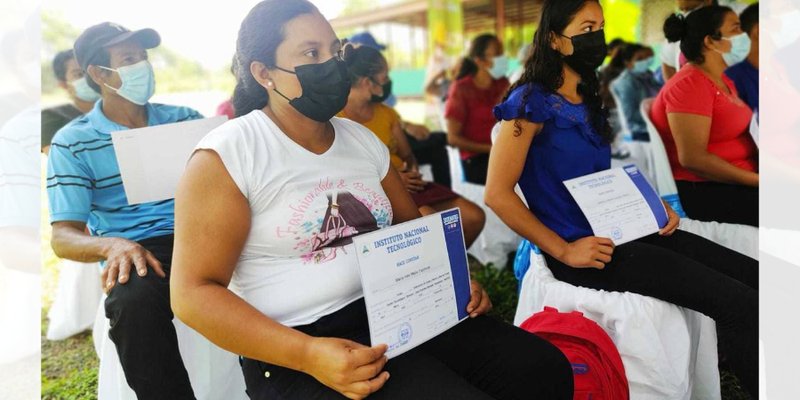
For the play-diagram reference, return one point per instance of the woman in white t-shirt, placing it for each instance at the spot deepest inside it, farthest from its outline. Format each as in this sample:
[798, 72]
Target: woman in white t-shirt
[269, 204]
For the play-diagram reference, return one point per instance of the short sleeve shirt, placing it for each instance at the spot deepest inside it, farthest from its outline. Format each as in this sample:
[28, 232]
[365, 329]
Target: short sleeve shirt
[55, 118]
[567, 147]
[691, 92]
[299, 263]
[472, 107]
[84, 182]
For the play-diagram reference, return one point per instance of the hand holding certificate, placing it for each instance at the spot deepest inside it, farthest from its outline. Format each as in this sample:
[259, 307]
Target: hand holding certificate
[619, 204]
[415, 279]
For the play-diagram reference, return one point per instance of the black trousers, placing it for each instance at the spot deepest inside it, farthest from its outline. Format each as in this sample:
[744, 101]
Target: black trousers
[720, 202]
[475, 168]
[480, 358]
[693, 272]
[142, 330]
[433, 151]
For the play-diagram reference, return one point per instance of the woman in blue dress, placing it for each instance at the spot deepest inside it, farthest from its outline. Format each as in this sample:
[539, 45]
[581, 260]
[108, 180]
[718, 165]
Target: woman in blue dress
[554, 128]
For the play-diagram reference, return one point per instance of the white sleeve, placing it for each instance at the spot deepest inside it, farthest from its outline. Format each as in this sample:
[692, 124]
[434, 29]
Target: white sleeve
[229, 143]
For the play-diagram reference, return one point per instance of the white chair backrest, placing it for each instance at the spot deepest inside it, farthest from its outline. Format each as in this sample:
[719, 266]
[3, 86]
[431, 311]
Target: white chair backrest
[662, 171]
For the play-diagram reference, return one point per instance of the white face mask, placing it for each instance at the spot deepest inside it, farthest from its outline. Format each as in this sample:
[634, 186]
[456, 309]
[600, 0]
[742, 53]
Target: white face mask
[740, 49]
[138, 82]
[83, 91]
[499, 67]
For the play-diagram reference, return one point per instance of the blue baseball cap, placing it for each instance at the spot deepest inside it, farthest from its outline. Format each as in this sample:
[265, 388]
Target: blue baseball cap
[366, 39]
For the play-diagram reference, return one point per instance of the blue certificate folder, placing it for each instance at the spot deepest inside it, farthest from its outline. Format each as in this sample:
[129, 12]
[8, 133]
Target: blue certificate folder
[457, 251]
[649, 194]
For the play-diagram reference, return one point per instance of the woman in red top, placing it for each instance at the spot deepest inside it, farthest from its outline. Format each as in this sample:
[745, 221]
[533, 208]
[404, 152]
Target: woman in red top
[479, 86]
[704, 124]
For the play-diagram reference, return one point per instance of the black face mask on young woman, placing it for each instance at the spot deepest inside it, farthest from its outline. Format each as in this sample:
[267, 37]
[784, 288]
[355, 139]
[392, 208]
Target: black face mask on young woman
[588, 51]
[387, 91]
[325, 89]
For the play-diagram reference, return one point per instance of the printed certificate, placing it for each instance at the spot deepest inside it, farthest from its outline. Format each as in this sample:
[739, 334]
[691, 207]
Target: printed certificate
[619, 204]
[416, 280]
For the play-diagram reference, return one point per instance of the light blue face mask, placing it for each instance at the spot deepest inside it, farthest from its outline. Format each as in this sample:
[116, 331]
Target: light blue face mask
[499, 67]
[138, 82]
[642, 66]
[740, 48]
[83, 91]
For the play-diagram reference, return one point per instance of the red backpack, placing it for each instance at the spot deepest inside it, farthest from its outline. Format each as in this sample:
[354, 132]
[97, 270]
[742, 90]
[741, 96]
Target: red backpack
[596, 365]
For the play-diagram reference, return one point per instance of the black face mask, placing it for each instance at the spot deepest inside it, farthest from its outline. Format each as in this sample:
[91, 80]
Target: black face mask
[325, 89]
[387, 91]
[588, 51]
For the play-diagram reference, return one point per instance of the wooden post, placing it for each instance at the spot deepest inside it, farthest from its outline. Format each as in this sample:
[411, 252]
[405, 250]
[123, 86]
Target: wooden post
[500, 20]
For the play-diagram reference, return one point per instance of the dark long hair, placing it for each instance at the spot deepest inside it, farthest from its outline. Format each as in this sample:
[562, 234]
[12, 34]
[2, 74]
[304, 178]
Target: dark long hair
[546, 67]
[363, 62]
[260, 35]
[477, 49]
[691, 31]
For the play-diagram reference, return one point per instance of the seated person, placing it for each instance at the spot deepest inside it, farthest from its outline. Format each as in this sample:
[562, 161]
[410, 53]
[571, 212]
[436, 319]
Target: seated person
[672, 59]
[552, 130]
[369, 72]
[745, 74]
[269, 204]
[635, 84]
[70, 77]
[606, 74]
[134, 242]
[479, 85]
[705, 125]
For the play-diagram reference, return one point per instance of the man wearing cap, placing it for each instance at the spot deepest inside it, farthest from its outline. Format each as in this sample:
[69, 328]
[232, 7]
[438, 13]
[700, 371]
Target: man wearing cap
[70, 77]
[133, 241]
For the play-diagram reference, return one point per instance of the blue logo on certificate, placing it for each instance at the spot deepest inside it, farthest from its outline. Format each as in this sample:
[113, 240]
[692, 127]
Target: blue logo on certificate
[404, 333]
[451, 222]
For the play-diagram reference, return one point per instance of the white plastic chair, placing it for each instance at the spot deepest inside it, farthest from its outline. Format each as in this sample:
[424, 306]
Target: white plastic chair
[75, 304]
[496, 240]
[213, 372]
[669, 352]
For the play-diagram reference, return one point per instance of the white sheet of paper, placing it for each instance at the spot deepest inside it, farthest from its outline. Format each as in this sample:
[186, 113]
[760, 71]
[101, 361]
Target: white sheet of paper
[415, 279]
[615, 206]
[754, 127]
[152, 159]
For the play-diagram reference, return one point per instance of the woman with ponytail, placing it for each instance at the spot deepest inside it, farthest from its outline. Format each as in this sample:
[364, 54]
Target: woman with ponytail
[479, 85]
[553, 129]
[268, 207]
[704, 124]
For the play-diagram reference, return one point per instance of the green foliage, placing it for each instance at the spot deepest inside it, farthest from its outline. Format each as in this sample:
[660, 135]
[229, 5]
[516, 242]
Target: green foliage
[501, 286]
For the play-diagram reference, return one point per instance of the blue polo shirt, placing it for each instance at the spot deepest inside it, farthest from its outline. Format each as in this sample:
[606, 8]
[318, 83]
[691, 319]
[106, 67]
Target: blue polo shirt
[745, 76]
[84, 183]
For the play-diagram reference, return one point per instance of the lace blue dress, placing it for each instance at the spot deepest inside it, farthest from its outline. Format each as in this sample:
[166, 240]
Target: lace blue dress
[567, 147]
